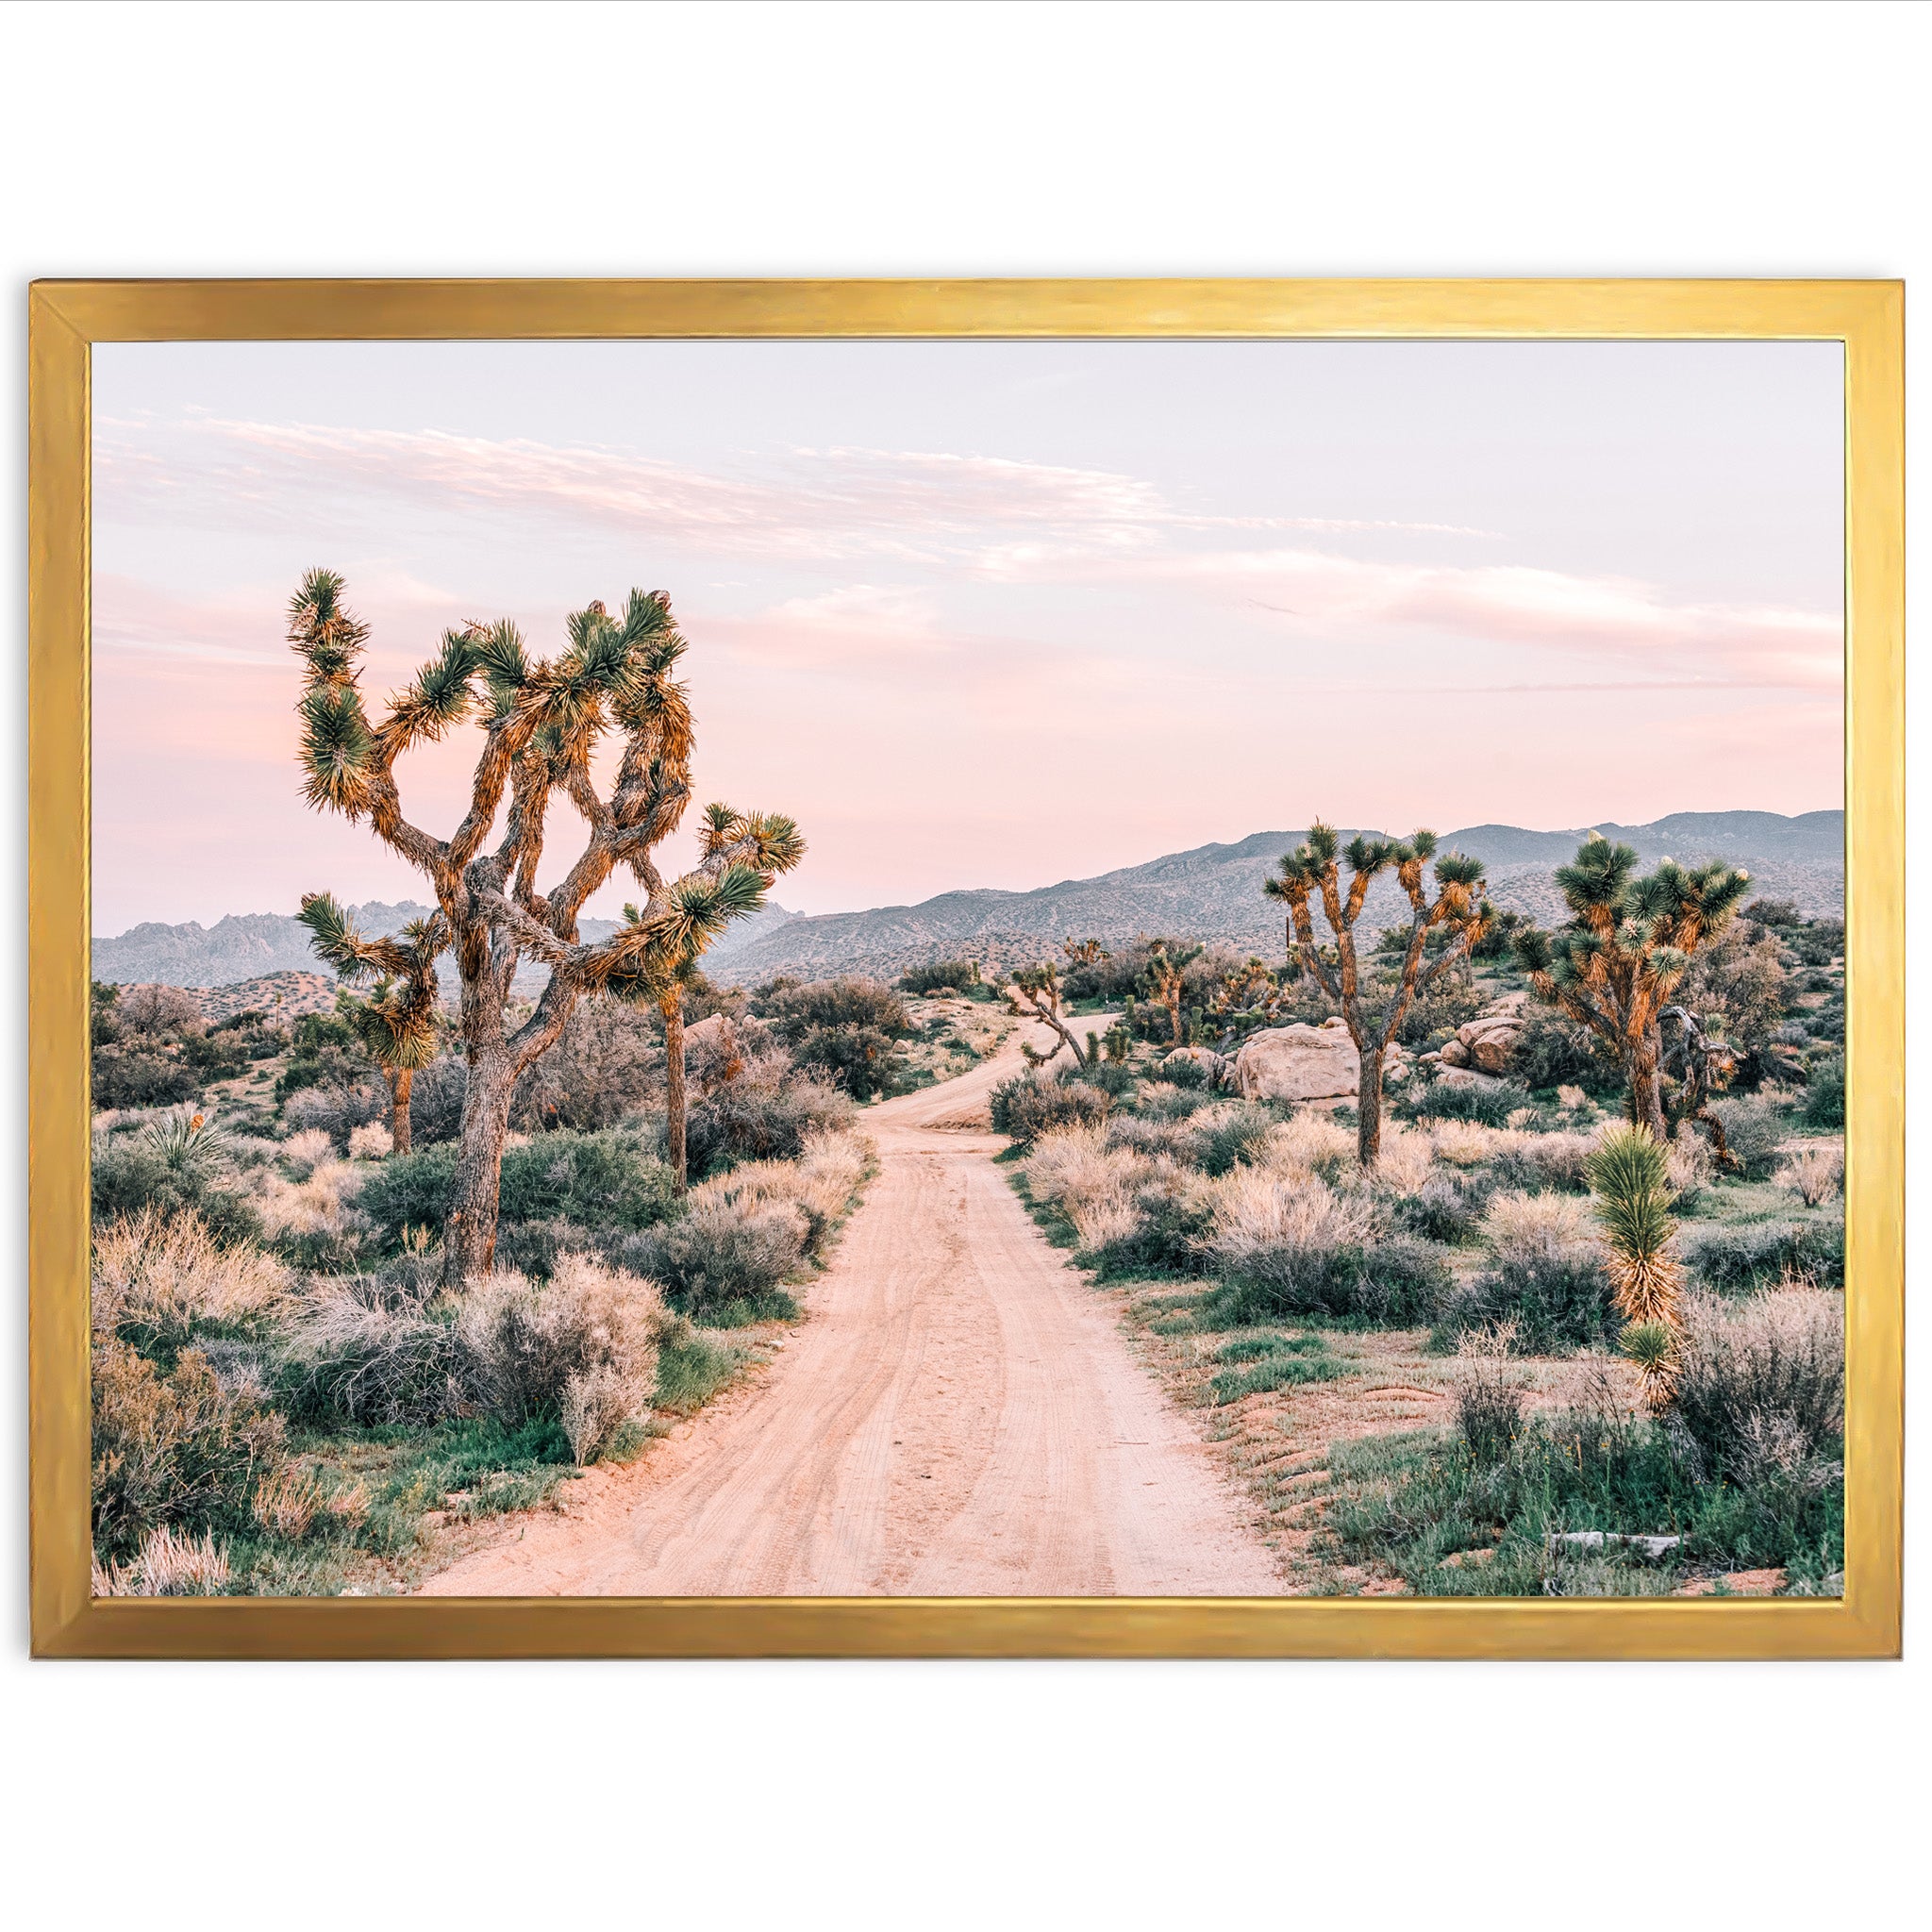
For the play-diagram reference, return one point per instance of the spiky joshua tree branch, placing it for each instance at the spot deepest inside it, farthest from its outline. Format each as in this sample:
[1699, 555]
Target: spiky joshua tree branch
[541, 719]
[1311, 872]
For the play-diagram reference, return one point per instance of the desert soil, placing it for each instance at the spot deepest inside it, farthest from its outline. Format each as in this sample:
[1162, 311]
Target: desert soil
[959, 1415]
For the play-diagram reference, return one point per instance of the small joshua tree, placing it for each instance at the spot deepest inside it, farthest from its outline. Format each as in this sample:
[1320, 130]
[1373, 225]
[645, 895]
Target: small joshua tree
[1312, 869]
[396, 1022]
[1164, 970]
[1630, 1178]
[1035, 992]
[541, 719]
[1628, 942]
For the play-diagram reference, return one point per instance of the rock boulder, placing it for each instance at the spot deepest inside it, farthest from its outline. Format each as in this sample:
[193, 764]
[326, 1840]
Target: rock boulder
[1298, 1063]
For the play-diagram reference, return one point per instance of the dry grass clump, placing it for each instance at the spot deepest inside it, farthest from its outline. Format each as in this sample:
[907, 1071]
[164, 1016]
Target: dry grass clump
[167, 1565]
[1098, 1187]
[1760, 1386]
[305, 1152]
[1520, 1226]
[820, 1184]
[1815, 1175]
[1257, 1215]
[163, 1273]
[286, 1500]
[1468, 1143]
[1407, 1161]
[1313, 1141]
[321, 1202]
[372, 1140]
[724, 1248]
[583, 1345]
[1689, 1167]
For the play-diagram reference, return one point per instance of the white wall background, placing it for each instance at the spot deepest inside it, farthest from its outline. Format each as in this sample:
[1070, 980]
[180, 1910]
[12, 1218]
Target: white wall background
[751, 139]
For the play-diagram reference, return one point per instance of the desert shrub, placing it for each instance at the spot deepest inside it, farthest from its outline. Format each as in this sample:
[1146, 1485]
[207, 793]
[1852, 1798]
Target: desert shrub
[606, 1062]
[859, 1060]
[1816, 942]
[820, 1182]
[1435, 1015]
[1738, 986]
[598, 1180]
[1689, 1167]
[336, 1109]
[1545, 1282]
[582, 1347]
[1489, 1104]
[1761, 1387]
[761, 1119]
[156, 1277]
[1439, 1210]
[1489, 1393]
[604, 1181]
[1181, 1068]
[847, 1001]
[1032, 1105]
[1315, 1141]
[1751, 1255]
[371, 1142]
[1815, 1175]
[155, 1011]
[534, 1247]
[1551, 1051]
[1289, 1245]
[436, 1101]
[1232, 1136]
[362, 1353]
[1754, 1127]
[305, 1152]
[1825, 1093]
[724, 1251]
[1550, 1163]
[128, 1077]
[956, 973]
[169, 1165]
[172, 1445]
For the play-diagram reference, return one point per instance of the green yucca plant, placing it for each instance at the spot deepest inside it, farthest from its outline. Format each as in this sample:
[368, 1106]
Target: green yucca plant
[542, 721]
[1629, 1176]
[190, 1142]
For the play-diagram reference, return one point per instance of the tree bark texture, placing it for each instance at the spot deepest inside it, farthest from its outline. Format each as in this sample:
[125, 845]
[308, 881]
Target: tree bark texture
[672, 1009]
[1368, 1138]
[399, 1084]
[469, 1241]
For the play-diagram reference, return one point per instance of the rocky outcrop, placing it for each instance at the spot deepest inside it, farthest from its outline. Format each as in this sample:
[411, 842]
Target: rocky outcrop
[1302, 1064]
[1488, 1042]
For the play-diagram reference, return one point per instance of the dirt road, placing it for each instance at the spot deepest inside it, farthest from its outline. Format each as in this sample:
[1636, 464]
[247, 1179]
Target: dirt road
[958, 1417]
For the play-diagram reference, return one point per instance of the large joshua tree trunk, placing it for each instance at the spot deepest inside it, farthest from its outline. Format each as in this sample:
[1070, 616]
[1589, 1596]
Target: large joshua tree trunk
[399, 1084]
[672, 1008]
[470, 1231]
[1368, 1109]
[1641, 1055]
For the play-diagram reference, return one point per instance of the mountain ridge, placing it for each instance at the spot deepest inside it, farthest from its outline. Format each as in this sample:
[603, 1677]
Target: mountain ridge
[1211, 891]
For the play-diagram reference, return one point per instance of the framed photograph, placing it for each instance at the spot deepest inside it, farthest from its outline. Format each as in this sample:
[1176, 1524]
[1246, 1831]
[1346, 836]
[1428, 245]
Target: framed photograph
[967, 968]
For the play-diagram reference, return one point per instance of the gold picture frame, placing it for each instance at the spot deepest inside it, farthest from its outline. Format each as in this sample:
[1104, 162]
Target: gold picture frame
[66, 318]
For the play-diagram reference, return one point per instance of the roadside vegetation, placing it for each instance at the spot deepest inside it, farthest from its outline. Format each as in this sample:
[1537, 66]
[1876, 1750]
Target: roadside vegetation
[1617, 1355]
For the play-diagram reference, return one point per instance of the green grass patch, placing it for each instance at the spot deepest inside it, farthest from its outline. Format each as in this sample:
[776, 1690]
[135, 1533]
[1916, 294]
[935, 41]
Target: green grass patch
[693, 1372]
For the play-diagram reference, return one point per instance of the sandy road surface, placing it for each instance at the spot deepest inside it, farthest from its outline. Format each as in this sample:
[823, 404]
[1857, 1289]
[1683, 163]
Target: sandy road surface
[958, 1417]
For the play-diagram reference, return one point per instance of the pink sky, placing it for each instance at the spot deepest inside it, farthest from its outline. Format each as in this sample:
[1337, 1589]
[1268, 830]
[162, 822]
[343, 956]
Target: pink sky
[986, 613]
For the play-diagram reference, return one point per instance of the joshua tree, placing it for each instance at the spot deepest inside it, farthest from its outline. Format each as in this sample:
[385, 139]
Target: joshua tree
[396, 1022]
[1164, 970]
[1628, 942]
[1628, 1174]
[1702, 1064]
[541, 719]
[1035, 991]
[670, 1003]
[1459, 905]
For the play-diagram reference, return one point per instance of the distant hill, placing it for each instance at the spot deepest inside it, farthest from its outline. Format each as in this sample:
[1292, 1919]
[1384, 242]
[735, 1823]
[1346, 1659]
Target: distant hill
[1211, 892]
[253, 945]
[1214, 892]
